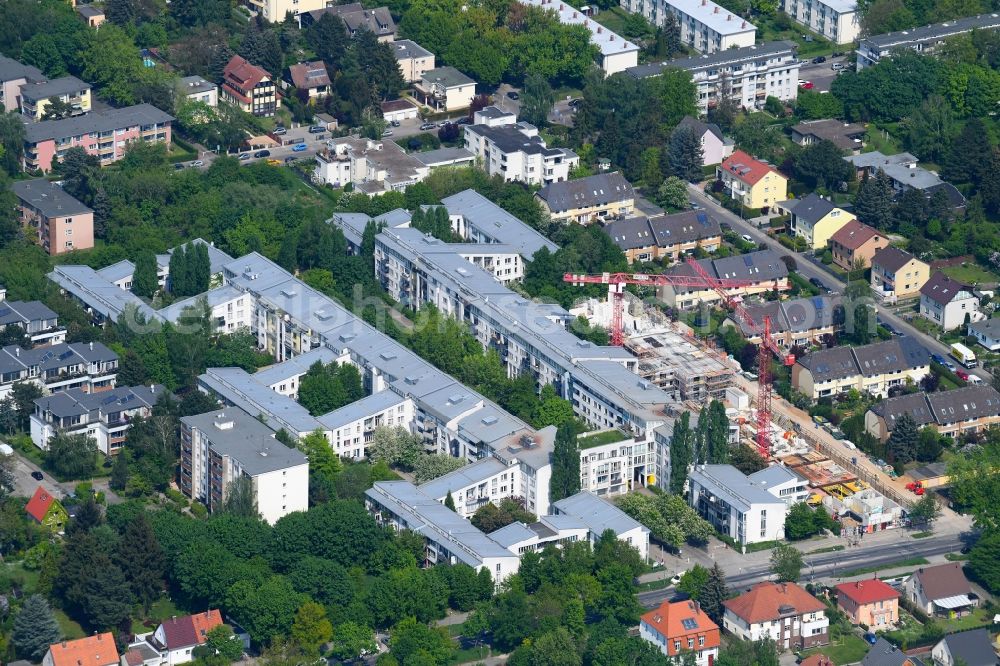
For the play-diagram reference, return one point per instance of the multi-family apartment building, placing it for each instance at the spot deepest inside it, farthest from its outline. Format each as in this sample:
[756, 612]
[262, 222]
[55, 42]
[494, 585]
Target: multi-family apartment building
[782, 612]
[966, 410]
[763, 270]
[874, 368]
[856, 243]
[924, 39]
[949, 303]
[665, 236]
[613, 463]
[836, 20]
[37, 98]
[749, 74]
[516, 152]
[13, 76]
[748, 509]
[753, 183]
[59, 222]
[90, 366]
[414, 60]
[92, 16]
[596, 198]
[478, 220]
[39, 323]
[356, 18]
[897, 274]
[445, 89]
[249, 87]
[705, 26]
[101, 133]
[815, 219]
[221, 447]
[798, 322]
[680, 627]
[373, 166]
[104, 417]
[615, 54]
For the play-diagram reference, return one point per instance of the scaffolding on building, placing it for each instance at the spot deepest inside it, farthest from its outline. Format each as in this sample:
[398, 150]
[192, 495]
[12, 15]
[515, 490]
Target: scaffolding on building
[679, 363]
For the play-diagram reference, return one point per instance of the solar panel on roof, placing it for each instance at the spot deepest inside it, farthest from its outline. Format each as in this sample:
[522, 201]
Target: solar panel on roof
[818, 302]
[65, 355]
[702, 218]
[747, 260]
[4, 312]
[108, 401]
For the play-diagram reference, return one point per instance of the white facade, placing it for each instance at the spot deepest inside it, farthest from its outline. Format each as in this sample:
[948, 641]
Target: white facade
[837, 20]
[616, 53]
[414, 60]
[518, 153]
[373, 166]
[276, 10]
[741, 507]
[780, 630]
[351, 428]
[618, 467]
[952, 314]
[705, 26]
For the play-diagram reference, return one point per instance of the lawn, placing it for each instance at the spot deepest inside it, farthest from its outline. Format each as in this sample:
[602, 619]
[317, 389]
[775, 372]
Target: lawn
[613, 19]
[471, 653]
[810, 44]
[970, 273]
[602, 438]
[162, 609]
[654, 585]
[848, 649]
[978, 618]
[68, 627]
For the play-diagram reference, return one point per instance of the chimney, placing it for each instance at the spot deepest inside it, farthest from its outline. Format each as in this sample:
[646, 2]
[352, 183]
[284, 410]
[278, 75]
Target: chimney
[716, 11]
[91, 346]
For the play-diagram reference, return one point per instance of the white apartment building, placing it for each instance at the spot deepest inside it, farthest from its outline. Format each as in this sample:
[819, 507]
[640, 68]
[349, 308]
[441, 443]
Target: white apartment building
[275, 11]
[351, 429]
[705, 26]
[782, 612]
[748, 509]
[616, 53]
[613, 463]
[104, 417]
[751, 74]
[374, 167]
[837, 20]
[516, 152]
[220, 447]
[923, 39]
[91, 367]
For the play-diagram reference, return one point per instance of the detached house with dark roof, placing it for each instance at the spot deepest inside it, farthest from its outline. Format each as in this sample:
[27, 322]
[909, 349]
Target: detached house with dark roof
[249, 87]
[174, 640]
[949, 303]
[897, 274]
[310, 77]
[942, 590]
[873, 368]
[783, 612]
[987, 333]
[846, 136]
[665, 236]
[592, 199]
[715, 147]
[815, 219]
[969, 409]
[753, 183]
[856, 242]
[966, 648]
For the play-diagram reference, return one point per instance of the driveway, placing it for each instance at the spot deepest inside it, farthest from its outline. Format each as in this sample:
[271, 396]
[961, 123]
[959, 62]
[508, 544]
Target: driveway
[25, 485]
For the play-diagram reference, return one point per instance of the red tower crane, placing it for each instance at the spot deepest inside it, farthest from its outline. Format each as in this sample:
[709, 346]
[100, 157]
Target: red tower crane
[616, 285]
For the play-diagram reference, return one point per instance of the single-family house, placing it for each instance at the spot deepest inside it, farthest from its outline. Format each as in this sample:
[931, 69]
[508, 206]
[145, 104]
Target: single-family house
[904, 174]
[941, 590]
[445, 89]
[897, 274]
[175, 639]
[596, 198]
[96, 650]
[815, 219]
[874, 368]
[311, 78]
[680, 627]
[46, 510]
[949, 303]
[966, 648]
[884, 653]
[249, 87]
[856, 243]
[783, 612]
[59, 221]
[413, 59]
[665, 236]
[848, 137]
[986, 332]
[753, 183]
[198, 89]
[715, 147]
[871, 602]
[970, 409]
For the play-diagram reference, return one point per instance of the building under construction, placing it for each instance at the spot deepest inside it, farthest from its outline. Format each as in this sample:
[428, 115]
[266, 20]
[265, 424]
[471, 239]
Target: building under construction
[678, 363]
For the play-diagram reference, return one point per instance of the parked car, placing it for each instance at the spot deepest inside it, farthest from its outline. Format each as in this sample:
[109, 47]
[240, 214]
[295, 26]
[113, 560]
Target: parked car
[838, 67]
[816, 282]
[748, 238]
[278, 131]
[317, 129]
[198, 163]
[951, 366]
[574, 103]
[818, 59]
[806, 85]
[37, 476]
[871, 638]
[677, 577]
[427, 126]
[178, 166]
[388, 132]
[512, 94]
[298, 148]
[963, 375]
[395, 123]
[937, 358]
[974, 379]
[244, 156]
[262, 153]
[289, 160]
[274, 162]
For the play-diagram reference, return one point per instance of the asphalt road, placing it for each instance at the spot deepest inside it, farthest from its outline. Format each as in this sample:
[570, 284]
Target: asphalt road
[807, 266]
[821, 75]
[829, 566]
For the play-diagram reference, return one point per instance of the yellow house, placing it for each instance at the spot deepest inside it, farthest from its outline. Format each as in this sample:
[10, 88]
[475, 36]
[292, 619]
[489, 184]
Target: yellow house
[71, 91]
[898, 274]
[752, 182]
[815, 219]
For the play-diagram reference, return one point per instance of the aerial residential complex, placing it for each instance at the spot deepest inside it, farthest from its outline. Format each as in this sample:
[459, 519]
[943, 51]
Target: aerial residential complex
[616, 54]
[924, 39]
[705, 26]
[837, 20]
[61, 223]
[515, 151]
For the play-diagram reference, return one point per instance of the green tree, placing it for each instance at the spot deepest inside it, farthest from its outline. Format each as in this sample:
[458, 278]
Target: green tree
[799, 522]
[786, 562]
[144, 281]
[139, 556]
[556, 648]
[239, 498]
[693, 580]
[681, 453]
[537, 99]
[984, 560]
[925, 511]
[565, 479]
[902, 444]
[552, 410]
[873, 203]
[11, 142]
[328, 38]
[930, 129]
[685, 155]
[673, 194]
[821, 164]
[35, 628]
[757, 135]
[42, 52]
[350, 640]
[416, 643]
[717, 434]
[119, 472]
[811, 105]
[449, 501]
[713, 593]
[221, 641]
[747, 460]
[71, 456]
[112, 62]
[929, 446]
[311, 628]
[265, 610]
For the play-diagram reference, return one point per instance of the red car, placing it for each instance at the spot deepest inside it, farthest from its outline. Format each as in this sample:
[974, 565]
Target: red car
[963, 375]
[805, 85]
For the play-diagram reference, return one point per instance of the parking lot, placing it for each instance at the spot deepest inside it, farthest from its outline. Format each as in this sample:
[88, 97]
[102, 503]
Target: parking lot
[821, 75]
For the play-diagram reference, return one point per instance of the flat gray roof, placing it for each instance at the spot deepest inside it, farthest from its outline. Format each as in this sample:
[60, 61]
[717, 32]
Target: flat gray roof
[237, 386]
[449, 77]
[933, 32]
[463, 477]
[597, 514]
[717, 59]
[11, 70]
[360, 409]
[733, 485]
[407, 48]
[100, 295]
[294, 366]
[444, 156]
[48, 198]
[234, 433]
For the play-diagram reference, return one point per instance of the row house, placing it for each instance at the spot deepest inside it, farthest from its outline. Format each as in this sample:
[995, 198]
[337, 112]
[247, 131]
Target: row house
[39, 323]
[799, 322]
[59, 221]
[667, 236]
[966, 410]
[104, 134]
[91, 367]
[763, 270]
[104, 417]
[596, 198]
[874, 368]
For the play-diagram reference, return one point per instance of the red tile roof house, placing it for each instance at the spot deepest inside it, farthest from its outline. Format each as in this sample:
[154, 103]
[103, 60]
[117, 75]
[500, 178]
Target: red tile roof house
[47, 510]
[872, 603]
[783, 612]
[249, 87]
[96, 650]
[942, 590]
[681, 627]
[175, 639]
